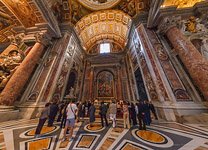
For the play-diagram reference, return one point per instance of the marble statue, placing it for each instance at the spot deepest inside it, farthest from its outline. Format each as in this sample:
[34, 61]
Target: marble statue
[71, 92]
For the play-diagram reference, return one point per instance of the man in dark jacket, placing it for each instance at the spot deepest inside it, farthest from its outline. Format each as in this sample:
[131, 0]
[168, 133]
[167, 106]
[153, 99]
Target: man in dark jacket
[52, 113]
[61, 107]
[42, 120]
[103, 111]
[152, 108]
[141, 115]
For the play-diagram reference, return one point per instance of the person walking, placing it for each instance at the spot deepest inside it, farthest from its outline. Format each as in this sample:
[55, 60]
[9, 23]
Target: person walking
[70, 121]
[112, 112]
[64, 113]
[141, 115]
[152, 108]
[147, 113]
[52, 114]
[61, 107]
[133, 114]
[43, 117]
[103, 114]
[126, 115]
[79, 114]
[92, 114]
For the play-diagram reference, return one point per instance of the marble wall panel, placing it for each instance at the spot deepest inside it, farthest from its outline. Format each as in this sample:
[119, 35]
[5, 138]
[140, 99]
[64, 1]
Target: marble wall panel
[62, 50]
[148, 80]
[171, 74]
[144, 42]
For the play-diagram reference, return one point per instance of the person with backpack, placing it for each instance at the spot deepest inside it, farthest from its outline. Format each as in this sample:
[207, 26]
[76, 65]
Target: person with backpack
[70, 119]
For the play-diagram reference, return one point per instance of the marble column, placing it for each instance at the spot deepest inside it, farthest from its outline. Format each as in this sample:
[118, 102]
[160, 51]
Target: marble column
[17, 82]
[119, 89]
[91, 88]
[196, 65]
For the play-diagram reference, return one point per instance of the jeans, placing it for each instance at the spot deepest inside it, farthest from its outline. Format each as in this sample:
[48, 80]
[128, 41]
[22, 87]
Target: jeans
[40, 125]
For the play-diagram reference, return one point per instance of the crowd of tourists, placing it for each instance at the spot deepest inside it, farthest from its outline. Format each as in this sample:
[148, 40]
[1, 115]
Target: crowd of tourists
[69, 112]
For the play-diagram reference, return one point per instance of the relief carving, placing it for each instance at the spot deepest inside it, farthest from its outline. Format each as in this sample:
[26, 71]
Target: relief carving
[8, 65]
[160, 52]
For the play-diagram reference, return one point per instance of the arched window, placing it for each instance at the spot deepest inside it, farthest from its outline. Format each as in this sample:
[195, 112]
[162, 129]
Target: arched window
[105, 48]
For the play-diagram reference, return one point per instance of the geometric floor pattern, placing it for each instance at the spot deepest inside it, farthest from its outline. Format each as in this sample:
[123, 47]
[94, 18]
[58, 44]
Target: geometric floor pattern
[19, 135]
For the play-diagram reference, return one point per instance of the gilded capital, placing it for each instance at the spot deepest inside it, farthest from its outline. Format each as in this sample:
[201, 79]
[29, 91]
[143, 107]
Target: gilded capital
[43, 38]
[17, 39]
[167, 23]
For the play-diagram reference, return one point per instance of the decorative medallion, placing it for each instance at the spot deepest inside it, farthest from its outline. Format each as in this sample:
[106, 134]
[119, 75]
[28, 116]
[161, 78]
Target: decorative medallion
[153, 138]
[96, 127]
[45, 131]
[99, 4]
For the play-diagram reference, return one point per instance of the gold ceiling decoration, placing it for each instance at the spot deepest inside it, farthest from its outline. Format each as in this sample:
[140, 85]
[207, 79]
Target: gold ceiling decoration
[103, 25]
[98, 4]
[7, 22]
[181, 3]
[25, 11]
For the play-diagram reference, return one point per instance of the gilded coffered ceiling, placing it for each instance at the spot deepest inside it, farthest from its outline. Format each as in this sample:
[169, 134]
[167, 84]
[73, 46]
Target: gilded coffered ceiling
[100, 26]
[99, 4]
[17, 13]
[180, 3]
[74, 10]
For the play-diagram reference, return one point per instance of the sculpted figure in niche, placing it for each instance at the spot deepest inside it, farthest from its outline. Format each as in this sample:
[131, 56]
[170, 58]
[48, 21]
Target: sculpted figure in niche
[71, 92]
[70, 50]
[204, 48]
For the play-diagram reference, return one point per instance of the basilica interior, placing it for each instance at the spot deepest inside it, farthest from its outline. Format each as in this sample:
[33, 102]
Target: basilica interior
[104, 50]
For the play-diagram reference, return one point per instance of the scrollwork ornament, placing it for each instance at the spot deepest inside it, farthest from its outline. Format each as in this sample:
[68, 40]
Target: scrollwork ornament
[168, 23]
[43, 38]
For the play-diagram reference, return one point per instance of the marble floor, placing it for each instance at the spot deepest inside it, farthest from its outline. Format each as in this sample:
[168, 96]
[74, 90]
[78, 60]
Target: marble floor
[19, 135]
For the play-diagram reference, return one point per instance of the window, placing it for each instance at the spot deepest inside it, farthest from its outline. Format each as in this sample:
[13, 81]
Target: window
[105, 48]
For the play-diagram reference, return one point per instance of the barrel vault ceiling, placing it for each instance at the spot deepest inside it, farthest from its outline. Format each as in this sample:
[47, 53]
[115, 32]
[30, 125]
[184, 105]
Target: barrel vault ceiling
[93, 24]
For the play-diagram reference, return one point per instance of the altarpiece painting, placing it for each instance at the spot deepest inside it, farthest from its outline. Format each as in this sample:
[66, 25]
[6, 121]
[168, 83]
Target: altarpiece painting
[105, 84]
